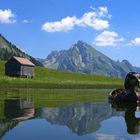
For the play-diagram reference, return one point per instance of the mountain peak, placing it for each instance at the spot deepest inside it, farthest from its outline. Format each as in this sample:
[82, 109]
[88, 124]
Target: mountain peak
[82, 57]
[82, 43]
[126, 62]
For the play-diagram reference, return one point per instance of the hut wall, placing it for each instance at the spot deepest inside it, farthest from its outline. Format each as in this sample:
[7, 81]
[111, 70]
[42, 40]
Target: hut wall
[12, 68]
[27, 71]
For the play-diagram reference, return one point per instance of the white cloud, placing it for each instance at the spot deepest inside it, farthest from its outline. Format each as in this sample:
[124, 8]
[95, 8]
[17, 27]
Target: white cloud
[99, 24]
[94, 19]
[92, 8]
[6, 16]
[63, 25]
[108, 38]
[135, 42]
[27, 21]
[103, 11]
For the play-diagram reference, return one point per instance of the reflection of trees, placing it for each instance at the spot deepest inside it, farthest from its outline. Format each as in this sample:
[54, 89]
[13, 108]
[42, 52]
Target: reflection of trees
[15, 111]
[6, 125]
[83, 119]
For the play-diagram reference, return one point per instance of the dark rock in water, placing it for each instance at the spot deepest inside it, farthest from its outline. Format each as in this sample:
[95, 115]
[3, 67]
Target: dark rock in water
[128, 93]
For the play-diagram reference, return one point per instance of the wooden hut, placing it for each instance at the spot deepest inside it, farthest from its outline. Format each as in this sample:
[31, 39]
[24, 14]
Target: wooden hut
[19, 67]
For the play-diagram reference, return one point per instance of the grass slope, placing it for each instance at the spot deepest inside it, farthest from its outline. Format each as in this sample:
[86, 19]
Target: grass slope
[48, 78]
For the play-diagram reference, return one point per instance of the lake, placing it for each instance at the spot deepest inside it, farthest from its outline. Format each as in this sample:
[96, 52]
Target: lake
[40, 114]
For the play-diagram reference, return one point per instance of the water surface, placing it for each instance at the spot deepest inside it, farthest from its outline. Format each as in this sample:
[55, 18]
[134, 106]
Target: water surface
[31, 114]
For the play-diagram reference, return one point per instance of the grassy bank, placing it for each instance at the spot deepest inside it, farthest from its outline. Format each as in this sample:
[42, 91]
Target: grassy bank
[47, 78]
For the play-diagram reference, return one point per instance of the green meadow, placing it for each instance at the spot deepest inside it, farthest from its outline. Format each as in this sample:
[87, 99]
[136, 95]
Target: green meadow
[53, 79]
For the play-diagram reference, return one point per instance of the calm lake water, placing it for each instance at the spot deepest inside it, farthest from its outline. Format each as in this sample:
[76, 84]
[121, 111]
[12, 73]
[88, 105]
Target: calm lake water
[32, 114]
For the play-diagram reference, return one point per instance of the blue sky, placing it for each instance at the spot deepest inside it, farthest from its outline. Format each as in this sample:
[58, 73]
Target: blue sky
[41, 26]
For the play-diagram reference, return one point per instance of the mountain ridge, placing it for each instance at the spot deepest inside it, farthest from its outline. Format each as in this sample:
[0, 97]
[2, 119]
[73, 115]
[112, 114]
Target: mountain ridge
[82, 57]
[7, 50]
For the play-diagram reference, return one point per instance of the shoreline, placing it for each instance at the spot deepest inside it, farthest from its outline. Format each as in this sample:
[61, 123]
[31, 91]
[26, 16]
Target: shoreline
[59, 86]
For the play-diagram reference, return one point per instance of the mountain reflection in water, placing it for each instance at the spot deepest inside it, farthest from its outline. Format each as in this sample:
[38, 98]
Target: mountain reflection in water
[81, 118]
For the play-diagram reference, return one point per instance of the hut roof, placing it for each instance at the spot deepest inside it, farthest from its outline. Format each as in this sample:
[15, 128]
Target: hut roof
[23, 61]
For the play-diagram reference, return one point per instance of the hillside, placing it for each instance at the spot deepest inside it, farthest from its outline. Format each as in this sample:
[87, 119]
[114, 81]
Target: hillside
[82, 57]
[7, 50]
[48, 78]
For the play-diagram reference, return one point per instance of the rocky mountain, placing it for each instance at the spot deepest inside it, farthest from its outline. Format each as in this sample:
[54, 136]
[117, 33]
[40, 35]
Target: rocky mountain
[7, 50]
[82, 57]
[82, 119]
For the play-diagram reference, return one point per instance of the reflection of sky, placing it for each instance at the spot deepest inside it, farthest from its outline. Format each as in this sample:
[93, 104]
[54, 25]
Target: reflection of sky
[40, 129]
[137, 114]
[113, 128]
